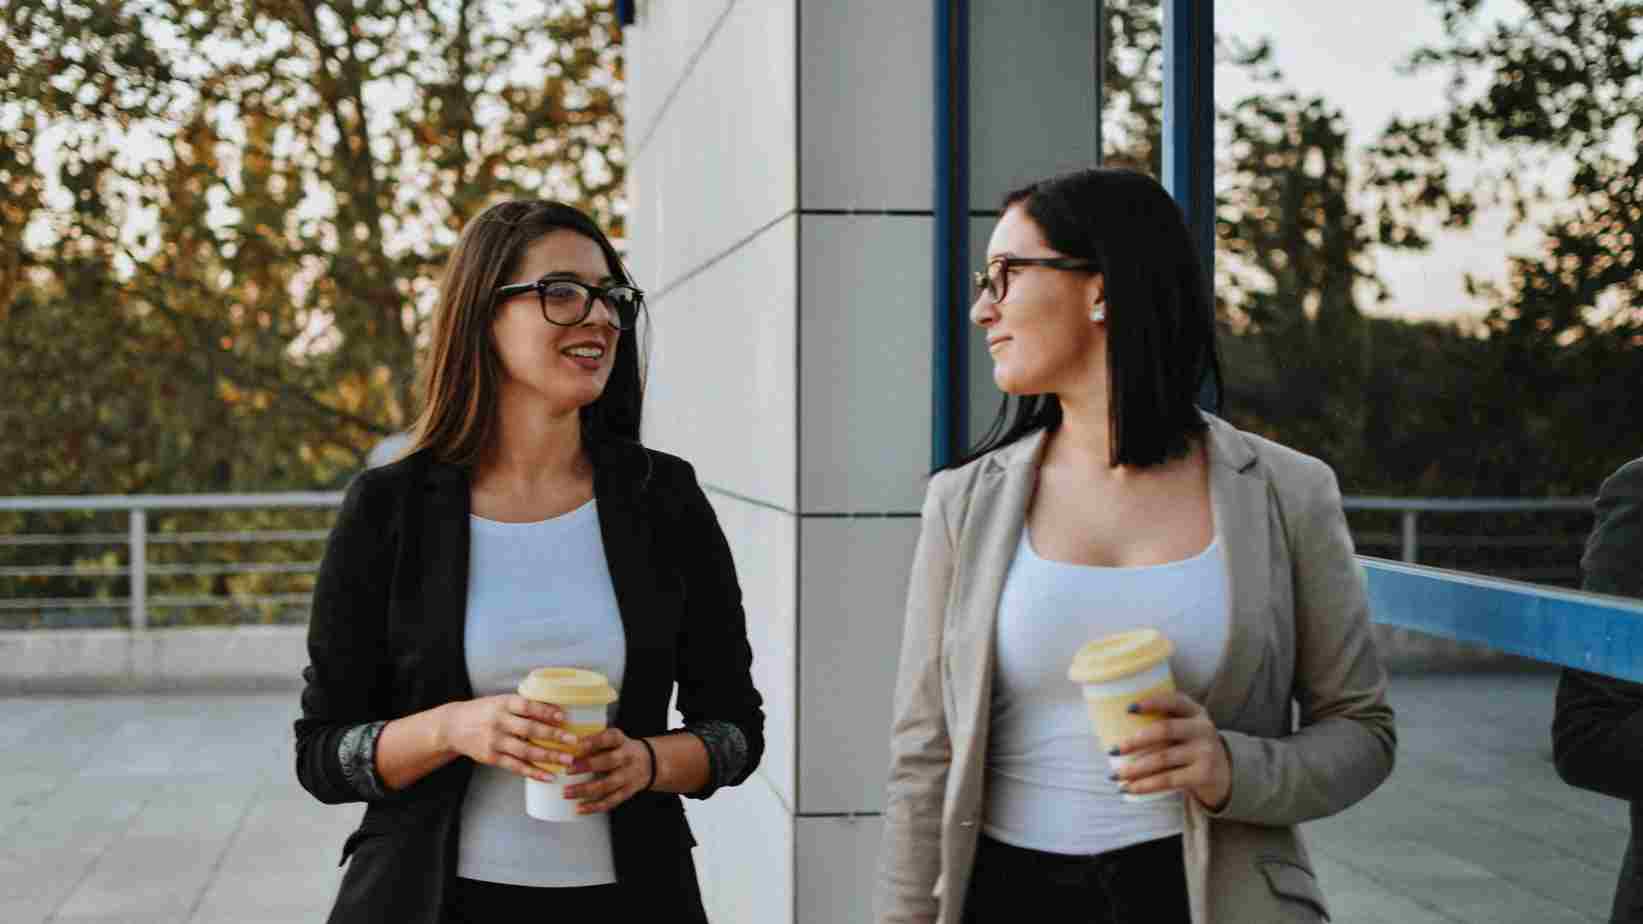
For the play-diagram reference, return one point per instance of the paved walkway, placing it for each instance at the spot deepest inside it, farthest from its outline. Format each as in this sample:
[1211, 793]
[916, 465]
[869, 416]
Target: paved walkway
[183, 810]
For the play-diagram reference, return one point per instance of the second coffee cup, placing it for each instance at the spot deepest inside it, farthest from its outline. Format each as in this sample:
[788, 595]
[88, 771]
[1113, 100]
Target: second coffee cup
[1116, 671]
[584, 696]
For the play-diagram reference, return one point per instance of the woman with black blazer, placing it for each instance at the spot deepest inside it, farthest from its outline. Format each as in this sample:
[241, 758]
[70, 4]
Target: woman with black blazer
[525, 527]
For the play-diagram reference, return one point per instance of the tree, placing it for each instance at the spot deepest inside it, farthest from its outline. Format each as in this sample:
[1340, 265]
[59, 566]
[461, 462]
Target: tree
[1558, 89]
[222, 222]
[255, 199]
[1293, 242]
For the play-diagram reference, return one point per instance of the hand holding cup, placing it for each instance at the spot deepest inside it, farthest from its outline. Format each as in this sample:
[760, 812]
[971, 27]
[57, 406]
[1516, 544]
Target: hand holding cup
[1182, 750]
[508, 731]
[623, 766]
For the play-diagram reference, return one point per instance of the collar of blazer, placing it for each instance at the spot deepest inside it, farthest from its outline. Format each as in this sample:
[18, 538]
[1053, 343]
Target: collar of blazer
[1239, 494]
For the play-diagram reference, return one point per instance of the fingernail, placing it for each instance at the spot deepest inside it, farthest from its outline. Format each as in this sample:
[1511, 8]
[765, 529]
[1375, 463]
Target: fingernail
[1114, 752]
[1134, 708]
[1113, 776]
[1123, 787]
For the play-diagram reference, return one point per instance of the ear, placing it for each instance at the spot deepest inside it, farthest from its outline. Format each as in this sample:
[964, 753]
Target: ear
[1095, 290]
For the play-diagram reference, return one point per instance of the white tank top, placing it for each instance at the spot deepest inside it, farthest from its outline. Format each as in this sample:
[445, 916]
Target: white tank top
[1047, 786]
[539, 595]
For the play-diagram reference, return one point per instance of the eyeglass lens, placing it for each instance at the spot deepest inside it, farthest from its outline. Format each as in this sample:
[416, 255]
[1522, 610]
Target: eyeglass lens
[566, 302]
[992, 281]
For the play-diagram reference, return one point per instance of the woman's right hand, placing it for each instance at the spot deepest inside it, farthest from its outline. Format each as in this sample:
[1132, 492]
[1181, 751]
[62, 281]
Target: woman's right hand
[497, 731]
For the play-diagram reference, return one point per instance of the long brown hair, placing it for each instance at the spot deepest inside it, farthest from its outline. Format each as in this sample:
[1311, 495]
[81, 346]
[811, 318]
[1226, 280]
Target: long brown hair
[462, 374]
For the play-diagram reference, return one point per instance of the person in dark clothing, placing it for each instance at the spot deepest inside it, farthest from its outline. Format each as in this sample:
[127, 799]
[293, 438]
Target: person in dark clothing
[1597, 730]
[525, 527]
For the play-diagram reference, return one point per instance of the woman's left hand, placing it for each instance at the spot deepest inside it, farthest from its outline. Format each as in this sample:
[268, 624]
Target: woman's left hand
[623, 768]
[1181, 751]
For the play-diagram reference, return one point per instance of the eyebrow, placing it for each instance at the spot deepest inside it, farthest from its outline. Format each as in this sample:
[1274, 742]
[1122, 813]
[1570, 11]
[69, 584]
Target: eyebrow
[563, 274]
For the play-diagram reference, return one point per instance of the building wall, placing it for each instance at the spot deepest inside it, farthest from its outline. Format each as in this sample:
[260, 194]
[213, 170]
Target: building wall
[781, 214]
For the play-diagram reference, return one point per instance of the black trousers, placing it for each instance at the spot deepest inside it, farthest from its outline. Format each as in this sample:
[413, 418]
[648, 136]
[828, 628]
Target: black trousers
[472, 901]
[1143, 884]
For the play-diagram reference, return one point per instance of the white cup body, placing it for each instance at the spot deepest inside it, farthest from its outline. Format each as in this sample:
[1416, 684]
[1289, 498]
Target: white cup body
[546, 800]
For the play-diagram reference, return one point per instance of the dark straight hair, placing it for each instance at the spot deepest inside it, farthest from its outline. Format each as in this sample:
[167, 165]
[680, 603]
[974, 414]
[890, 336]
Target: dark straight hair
[1160, 313]
[462, 376]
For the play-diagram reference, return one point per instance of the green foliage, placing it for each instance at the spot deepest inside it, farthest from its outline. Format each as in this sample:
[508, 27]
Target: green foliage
[1526, 402]
[221, 226]
[255, 198]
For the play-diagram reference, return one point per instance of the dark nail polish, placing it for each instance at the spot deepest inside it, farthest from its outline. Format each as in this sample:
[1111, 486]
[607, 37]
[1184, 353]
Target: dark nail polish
[1113, 752]
[1134, 708]
[1113, 777]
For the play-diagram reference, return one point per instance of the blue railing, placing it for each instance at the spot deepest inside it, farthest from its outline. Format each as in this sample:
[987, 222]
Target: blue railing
[1589, 631]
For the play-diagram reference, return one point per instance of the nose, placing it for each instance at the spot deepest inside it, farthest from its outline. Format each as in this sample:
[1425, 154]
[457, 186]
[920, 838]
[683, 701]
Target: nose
[983, 311]
[600, 306]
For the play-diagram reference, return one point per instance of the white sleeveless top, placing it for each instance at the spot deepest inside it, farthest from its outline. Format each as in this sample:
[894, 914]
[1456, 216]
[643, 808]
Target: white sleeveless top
[539, 595]
[1046, 775]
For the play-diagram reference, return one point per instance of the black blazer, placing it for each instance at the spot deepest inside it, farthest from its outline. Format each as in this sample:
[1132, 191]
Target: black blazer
[385, 640]
[1597, 729]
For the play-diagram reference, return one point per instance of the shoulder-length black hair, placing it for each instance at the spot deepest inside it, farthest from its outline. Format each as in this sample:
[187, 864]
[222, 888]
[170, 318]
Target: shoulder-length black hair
[1160, 313]
[463, 374]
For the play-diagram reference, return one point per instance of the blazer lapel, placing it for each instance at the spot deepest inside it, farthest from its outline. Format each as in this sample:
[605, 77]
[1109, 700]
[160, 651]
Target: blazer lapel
[991, 531]
[444, 598]
[1238, 494]
[626, 534]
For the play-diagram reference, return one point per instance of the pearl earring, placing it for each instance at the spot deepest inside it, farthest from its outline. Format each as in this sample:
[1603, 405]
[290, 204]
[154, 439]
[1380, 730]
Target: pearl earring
[1098, 313]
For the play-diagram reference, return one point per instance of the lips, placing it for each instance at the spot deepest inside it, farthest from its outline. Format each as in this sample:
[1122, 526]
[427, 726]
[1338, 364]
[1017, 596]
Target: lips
[994, 343]
[588, 354]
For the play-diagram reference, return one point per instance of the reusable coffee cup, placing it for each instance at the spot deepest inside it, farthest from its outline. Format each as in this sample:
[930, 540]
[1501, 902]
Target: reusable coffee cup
[583, 696]
[1116, 671]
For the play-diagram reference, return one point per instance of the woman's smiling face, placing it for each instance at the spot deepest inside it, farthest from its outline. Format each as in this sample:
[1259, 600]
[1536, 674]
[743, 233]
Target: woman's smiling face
[567, 365]
[1040, 336]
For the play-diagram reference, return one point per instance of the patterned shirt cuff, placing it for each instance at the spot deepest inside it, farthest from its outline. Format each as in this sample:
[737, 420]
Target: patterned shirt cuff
[357, 752]
[726, 752]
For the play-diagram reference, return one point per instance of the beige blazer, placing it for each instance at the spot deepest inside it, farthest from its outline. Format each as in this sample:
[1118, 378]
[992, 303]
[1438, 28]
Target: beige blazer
[1299, 635]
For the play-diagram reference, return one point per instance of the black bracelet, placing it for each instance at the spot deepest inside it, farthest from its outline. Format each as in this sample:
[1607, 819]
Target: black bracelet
[652, 763]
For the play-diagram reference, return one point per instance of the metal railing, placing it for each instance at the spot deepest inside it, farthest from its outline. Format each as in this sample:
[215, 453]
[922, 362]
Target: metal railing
[137, 539]
[1410, 509]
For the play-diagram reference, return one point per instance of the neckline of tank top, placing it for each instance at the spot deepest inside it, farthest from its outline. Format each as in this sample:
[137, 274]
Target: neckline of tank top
[516, 525]
[1212, 549]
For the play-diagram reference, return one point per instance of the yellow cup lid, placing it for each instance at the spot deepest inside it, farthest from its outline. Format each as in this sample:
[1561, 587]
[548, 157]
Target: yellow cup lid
[567, 686]
[1119, 655]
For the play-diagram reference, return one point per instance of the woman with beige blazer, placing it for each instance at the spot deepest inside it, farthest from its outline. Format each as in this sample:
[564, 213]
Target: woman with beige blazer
[1110, 502]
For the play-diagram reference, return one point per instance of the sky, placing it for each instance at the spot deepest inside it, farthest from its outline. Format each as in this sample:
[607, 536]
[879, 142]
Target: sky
[1349, 53]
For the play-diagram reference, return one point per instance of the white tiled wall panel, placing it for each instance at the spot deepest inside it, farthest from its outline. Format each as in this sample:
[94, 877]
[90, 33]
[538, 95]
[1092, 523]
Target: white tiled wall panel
[658, 47]
[853, 592]
[744, 854]
[837, 869]
[723, 384]
[1032, 93]
[722, 160]
[864, 366]
[865, 97]
[764, 544]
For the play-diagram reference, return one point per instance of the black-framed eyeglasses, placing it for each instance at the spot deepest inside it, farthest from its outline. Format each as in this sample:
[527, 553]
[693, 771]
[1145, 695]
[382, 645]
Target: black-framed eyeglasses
[995, 279]
[568, 302]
